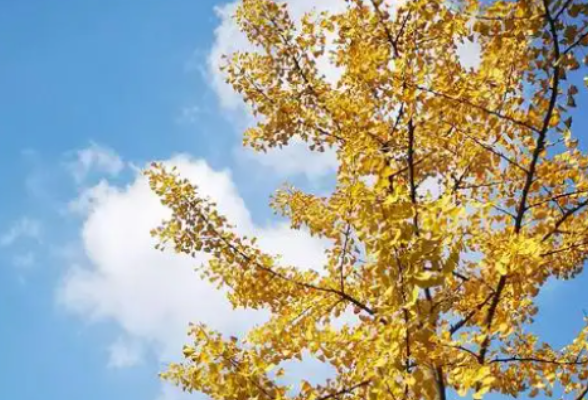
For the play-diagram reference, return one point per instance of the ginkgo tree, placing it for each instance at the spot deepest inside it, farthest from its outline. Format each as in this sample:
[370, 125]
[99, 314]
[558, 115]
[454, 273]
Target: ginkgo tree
[442, 282]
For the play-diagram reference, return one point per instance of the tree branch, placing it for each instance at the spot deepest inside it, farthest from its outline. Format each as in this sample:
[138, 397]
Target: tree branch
[344, 391]
[539, 148]
[537, 360]
[564, 218]
[582, 394]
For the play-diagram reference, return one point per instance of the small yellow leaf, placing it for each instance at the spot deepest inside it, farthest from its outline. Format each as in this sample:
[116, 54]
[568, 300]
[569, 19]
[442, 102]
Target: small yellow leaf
[427, 279]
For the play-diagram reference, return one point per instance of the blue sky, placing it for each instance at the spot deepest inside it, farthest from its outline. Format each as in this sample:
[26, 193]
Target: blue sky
[88, 92]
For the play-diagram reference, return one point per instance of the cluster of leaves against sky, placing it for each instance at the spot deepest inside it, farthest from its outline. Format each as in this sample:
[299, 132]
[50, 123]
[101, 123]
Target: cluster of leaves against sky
[443, 284]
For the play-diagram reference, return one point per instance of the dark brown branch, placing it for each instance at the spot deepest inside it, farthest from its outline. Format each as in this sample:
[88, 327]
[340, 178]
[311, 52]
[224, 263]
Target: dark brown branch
[461, 348]
[393, 43]
[343, 255]
[344, 391]
[411, 172]
[575, 44]
[460, 276]
[497, 153]
[406, 315]
[403, 170]
[582, 394]
[479, 107]
[460, 324]
[490, 318]
[550, 192]
[557, 197]
[539, 148]
[482, 185]
[440, 383]
[502, 210]
[537, 360]
[277, 274]
[562, 9]
[558, 251]
[564, 218]
[403, 26]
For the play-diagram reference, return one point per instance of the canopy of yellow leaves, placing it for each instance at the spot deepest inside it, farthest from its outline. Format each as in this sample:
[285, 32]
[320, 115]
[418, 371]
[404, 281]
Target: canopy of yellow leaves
[443, 284]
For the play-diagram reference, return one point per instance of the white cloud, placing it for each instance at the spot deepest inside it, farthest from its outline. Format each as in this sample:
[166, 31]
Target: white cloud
[87, 198]
[431, 186]
[309, 369]
[153, 295]
[296, 247]
[296, 158]
[124, 353]
[24, 228]
[470, 54]
[95, 158]
[470, 51]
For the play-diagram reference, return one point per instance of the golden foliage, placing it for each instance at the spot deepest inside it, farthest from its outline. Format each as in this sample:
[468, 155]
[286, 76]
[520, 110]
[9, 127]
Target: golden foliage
[443, 284]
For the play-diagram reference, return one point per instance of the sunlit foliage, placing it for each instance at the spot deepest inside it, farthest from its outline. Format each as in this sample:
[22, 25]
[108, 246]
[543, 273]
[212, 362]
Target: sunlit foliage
[443, 282]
